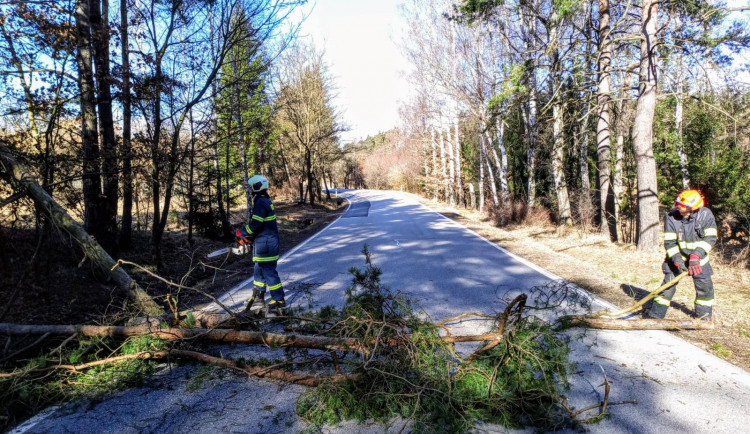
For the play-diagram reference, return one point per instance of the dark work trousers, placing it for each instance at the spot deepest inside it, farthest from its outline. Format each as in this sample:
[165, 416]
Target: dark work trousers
[704, 292]
[266, 277]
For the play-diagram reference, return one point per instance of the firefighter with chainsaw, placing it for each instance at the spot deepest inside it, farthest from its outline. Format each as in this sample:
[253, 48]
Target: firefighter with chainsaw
[689, 235]
[262, 234]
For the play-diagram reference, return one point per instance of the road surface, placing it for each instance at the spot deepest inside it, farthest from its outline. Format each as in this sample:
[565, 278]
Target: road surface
[448, 270]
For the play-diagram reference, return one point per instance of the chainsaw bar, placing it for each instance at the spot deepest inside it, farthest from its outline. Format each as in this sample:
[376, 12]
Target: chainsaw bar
[236, 250]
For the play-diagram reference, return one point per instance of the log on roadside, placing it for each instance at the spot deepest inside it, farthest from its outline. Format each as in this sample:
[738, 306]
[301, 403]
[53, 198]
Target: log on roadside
[225, 336]
[173, 334]
[20, 177]
[634, 324]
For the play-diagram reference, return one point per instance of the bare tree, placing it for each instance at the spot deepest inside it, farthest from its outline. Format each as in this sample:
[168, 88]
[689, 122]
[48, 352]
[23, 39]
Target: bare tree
[306, 118]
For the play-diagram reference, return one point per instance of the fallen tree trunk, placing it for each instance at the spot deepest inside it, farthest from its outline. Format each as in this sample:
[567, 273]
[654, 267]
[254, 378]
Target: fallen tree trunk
[223, 335]
[633, 324]
[19, 176]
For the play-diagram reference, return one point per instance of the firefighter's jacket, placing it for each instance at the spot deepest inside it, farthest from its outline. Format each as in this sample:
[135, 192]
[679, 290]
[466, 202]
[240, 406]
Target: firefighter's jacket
[693, 234]
[263, 229]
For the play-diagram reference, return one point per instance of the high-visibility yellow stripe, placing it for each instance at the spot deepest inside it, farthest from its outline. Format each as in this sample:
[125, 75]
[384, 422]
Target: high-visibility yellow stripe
[275, 287]
[270, 218]
[259, 284]
[257, 217]
[661, 300]
[265, 258]
[670, 236]
[703, 245]
[704, 302]
[710, 232]
[247, 228]
[673, 251]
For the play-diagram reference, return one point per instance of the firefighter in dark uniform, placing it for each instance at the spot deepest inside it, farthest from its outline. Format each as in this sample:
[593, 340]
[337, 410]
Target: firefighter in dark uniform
[689, 235]
[263, 234]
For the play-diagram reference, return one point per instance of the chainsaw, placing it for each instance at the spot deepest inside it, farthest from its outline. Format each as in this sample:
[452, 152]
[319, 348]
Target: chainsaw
[237, 249]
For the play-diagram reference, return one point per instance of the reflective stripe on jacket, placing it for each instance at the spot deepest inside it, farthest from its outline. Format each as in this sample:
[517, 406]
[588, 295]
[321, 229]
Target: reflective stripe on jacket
[694, 234]
[263, 229]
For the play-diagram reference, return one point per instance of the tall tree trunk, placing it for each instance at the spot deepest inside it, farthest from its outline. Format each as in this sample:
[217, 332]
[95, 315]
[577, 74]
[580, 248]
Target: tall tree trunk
[493, 183]
[583, 155]
[623, 123]
[226, 229]
[459, 174]
[648, 200]
[92, 187]
[603, 145]
[226, 170]
[434, 171]
[678, 114]
[529, 34]
[558, 161]
[558, 141]
[99, 16]
[444, 166]
[191, 186]
[126, 229]
[502, 162]
[482, 159]
[309, 174]
[451, 170]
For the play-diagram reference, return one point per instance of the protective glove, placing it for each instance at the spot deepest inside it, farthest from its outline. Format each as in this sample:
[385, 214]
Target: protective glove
[694, 265]
[679, 263]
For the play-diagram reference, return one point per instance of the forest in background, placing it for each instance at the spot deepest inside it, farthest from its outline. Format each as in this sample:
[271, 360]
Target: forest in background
[130, 114]
[599, 112]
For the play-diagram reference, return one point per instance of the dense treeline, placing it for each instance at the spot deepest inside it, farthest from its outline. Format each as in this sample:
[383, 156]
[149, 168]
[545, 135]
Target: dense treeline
[599, 112]
[130, 113]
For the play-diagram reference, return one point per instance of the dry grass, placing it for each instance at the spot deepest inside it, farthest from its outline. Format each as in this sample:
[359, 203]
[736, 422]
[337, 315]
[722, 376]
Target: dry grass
[619, 273]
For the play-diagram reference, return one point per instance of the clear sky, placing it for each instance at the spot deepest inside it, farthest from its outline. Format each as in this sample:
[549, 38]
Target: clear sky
[359, 41]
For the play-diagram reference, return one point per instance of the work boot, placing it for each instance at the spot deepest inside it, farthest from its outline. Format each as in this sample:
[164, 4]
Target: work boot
[706, 318]
[256, 303]
[276, 307]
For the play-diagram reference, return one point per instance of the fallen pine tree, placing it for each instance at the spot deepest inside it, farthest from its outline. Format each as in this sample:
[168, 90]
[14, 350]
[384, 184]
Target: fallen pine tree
[385, 360]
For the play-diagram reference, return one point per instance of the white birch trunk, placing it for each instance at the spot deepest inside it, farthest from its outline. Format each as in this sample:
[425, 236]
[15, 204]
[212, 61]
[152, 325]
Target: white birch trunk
[503, 163]
[459, 176]
[493, 183]
[603, 145]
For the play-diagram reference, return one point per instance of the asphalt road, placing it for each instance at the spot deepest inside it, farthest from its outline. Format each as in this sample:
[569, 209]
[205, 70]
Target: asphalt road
[448, 270]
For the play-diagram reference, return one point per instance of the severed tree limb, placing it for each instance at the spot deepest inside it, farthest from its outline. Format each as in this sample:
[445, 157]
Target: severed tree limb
[642, 301]
[635, 324]
[221, 335]
[518, 303]
[216, 335]
[263, 372]
[20, 177]
[229, 313]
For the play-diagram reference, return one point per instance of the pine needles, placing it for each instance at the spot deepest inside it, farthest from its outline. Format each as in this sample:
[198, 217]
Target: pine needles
[411, 372]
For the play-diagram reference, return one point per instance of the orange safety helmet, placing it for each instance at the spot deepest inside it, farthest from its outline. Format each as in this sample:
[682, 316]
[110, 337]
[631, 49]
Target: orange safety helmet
[689, 200]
